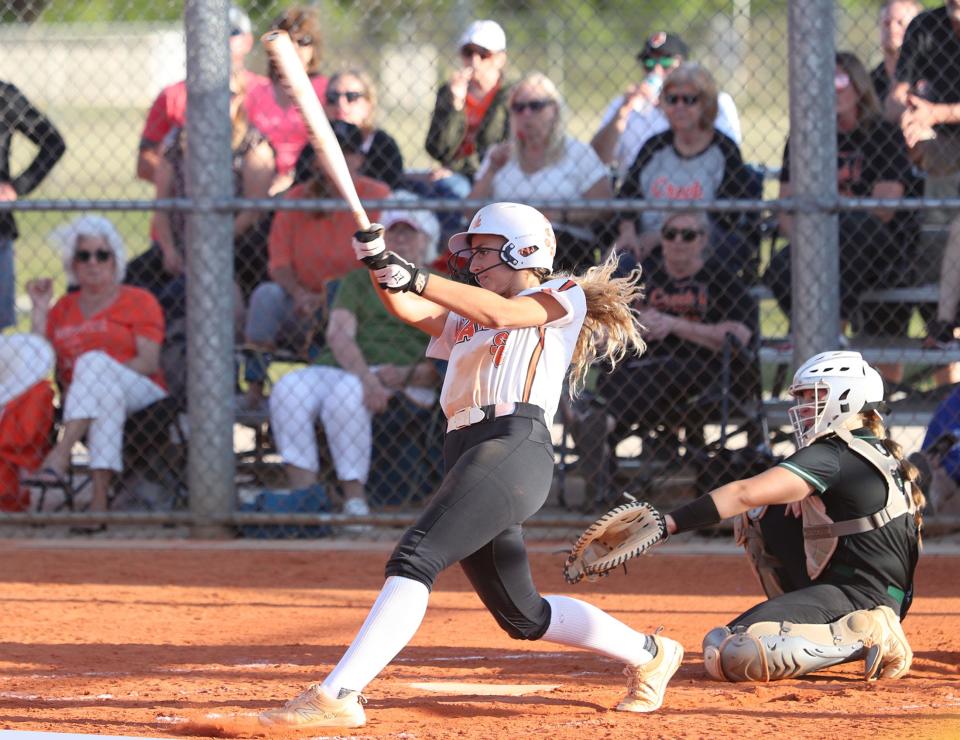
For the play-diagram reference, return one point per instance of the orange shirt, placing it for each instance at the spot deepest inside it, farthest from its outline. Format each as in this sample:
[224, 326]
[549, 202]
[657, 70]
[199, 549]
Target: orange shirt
[134, 313]
[474, 109]
[318, 245]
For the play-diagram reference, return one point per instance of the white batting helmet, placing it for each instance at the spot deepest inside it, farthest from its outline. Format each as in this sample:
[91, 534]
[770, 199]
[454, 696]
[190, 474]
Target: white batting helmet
[843, 385]
[530, 243]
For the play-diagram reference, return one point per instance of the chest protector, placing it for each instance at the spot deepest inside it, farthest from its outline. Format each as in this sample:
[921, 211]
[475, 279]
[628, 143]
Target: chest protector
[821, 534]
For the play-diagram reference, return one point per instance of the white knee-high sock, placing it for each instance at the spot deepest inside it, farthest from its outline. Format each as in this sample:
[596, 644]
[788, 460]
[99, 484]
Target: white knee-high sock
[579, 624]
[392, 622]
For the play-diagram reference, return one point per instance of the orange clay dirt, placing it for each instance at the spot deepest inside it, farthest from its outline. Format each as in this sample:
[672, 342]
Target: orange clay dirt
[177, 638]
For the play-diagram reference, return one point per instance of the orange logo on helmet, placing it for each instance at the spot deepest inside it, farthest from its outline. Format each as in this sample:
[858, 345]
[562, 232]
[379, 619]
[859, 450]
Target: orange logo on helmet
[527, 251]
[476, 222]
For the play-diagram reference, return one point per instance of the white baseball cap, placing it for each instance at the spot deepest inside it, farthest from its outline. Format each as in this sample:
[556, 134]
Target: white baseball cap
[423, 221]
[25, 359]
[239, 21]
[485, 34]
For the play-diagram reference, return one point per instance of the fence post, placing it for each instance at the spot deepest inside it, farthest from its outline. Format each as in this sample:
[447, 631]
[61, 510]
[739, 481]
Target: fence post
[210, 364]
[815, 265]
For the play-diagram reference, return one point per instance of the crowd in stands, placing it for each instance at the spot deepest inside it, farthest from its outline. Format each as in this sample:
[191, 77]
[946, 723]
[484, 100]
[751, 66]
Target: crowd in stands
[494, 136]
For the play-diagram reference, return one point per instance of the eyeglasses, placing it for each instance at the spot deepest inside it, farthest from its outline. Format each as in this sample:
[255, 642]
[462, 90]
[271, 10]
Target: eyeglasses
[688, 235]
[841, 81]
[352, 96]
[652, 62]
[85, 255]
[674, 99]
[470, 51]
[535, 106]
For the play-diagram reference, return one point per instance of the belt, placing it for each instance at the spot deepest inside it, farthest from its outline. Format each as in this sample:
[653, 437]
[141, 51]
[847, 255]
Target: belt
[477, 414]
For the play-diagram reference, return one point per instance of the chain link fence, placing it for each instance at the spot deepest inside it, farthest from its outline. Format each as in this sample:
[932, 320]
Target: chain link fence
[213, 362]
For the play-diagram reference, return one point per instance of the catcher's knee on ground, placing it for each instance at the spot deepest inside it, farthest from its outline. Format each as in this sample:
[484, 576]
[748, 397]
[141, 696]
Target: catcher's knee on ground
[769, 651]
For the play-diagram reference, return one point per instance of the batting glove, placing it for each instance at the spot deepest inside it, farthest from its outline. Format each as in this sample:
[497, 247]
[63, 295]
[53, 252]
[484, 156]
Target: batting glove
[369, 246]
[400, 276]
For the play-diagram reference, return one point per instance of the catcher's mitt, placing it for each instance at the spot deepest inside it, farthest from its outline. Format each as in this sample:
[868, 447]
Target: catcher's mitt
[622, 533]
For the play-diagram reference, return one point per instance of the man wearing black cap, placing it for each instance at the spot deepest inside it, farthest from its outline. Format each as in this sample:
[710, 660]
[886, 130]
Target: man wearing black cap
[309, 251]
[635, 116]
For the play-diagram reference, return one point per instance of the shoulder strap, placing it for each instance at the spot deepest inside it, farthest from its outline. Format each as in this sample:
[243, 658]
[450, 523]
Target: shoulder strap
[898, 502]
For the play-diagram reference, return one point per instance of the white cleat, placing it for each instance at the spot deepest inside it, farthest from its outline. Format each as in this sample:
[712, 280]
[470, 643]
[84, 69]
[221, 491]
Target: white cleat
[647, 683]
[313, 708]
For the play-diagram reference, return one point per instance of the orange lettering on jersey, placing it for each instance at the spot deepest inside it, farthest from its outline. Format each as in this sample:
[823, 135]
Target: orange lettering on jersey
[499, 344]
[466, 329]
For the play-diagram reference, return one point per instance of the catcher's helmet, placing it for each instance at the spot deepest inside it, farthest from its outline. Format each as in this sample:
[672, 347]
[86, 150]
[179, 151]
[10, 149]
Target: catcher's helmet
[843, 385]
[530, 243]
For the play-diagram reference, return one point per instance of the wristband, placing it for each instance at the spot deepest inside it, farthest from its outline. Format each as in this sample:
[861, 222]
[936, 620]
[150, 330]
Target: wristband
[698, 514]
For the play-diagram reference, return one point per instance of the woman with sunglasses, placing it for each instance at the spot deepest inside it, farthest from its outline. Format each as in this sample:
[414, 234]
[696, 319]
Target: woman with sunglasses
[107, 339]
[635, 116]
[690, 307]
[509, 339]
[541, 161]
[692, 160]
[352, 97]
[875, 246]
[271, 110]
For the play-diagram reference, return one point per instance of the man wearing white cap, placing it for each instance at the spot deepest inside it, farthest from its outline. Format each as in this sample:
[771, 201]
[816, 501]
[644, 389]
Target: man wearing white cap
[471, 109]
[26, 412]
[371, 359]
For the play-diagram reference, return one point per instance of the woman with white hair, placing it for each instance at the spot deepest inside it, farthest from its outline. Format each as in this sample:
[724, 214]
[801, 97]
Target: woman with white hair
[107, 339]
[540, 161]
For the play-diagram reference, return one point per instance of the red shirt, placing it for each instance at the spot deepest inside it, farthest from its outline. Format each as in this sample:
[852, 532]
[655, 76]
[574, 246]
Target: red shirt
[169, 110]
[114, 330]
[283, 127]
[318, 245]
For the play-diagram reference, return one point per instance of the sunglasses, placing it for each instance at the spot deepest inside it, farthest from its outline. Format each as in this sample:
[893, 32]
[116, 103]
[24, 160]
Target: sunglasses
[352, 96]
[305, 40]
[468, 52]
[652, 62]
[674, 99]
[688, 235]
[535, 106]
[85, 255]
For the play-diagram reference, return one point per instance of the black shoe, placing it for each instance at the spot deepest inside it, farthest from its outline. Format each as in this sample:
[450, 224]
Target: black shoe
[940, 335]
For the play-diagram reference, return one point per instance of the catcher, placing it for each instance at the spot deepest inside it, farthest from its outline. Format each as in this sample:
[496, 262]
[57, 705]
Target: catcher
[509, 339]
[833, 533]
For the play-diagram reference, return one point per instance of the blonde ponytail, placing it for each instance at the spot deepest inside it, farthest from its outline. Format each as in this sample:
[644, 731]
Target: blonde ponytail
[611, 329]
[908, 471]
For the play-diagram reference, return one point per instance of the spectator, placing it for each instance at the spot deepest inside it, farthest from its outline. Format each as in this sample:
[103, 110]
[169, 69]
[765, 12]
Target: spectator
[926, 100]
[26, 413]
[635, 116]
[691, 160]
[374, 362]
[17, 114]
[271, 110]
[470, 114]
[308, 252]
[253, 171]
[107, 339]
[169, 109]
[541, 161]
[895, 16]
[352, 97]
[871, 162]
[691, 305]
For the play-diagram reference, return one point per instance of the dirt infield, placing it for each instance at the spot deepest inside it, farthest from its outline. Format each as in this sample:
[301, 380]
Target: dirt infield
[136, 641]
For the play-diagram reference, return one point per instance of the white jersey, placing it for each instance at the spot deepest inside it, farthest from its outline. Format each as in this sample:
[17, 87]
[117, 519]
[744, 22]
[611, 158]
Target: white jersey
[489, 366]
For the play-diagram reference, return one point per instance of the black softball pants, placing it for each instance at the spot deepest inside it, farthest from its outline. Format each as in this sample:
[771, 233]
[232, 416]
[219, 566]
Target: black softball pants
[498, 475]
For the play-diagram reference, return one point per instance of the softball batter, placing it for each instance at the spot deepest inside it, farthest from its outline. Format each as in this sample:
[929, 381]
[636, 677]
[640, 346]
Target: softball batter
[834, 538]
[509, 343]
